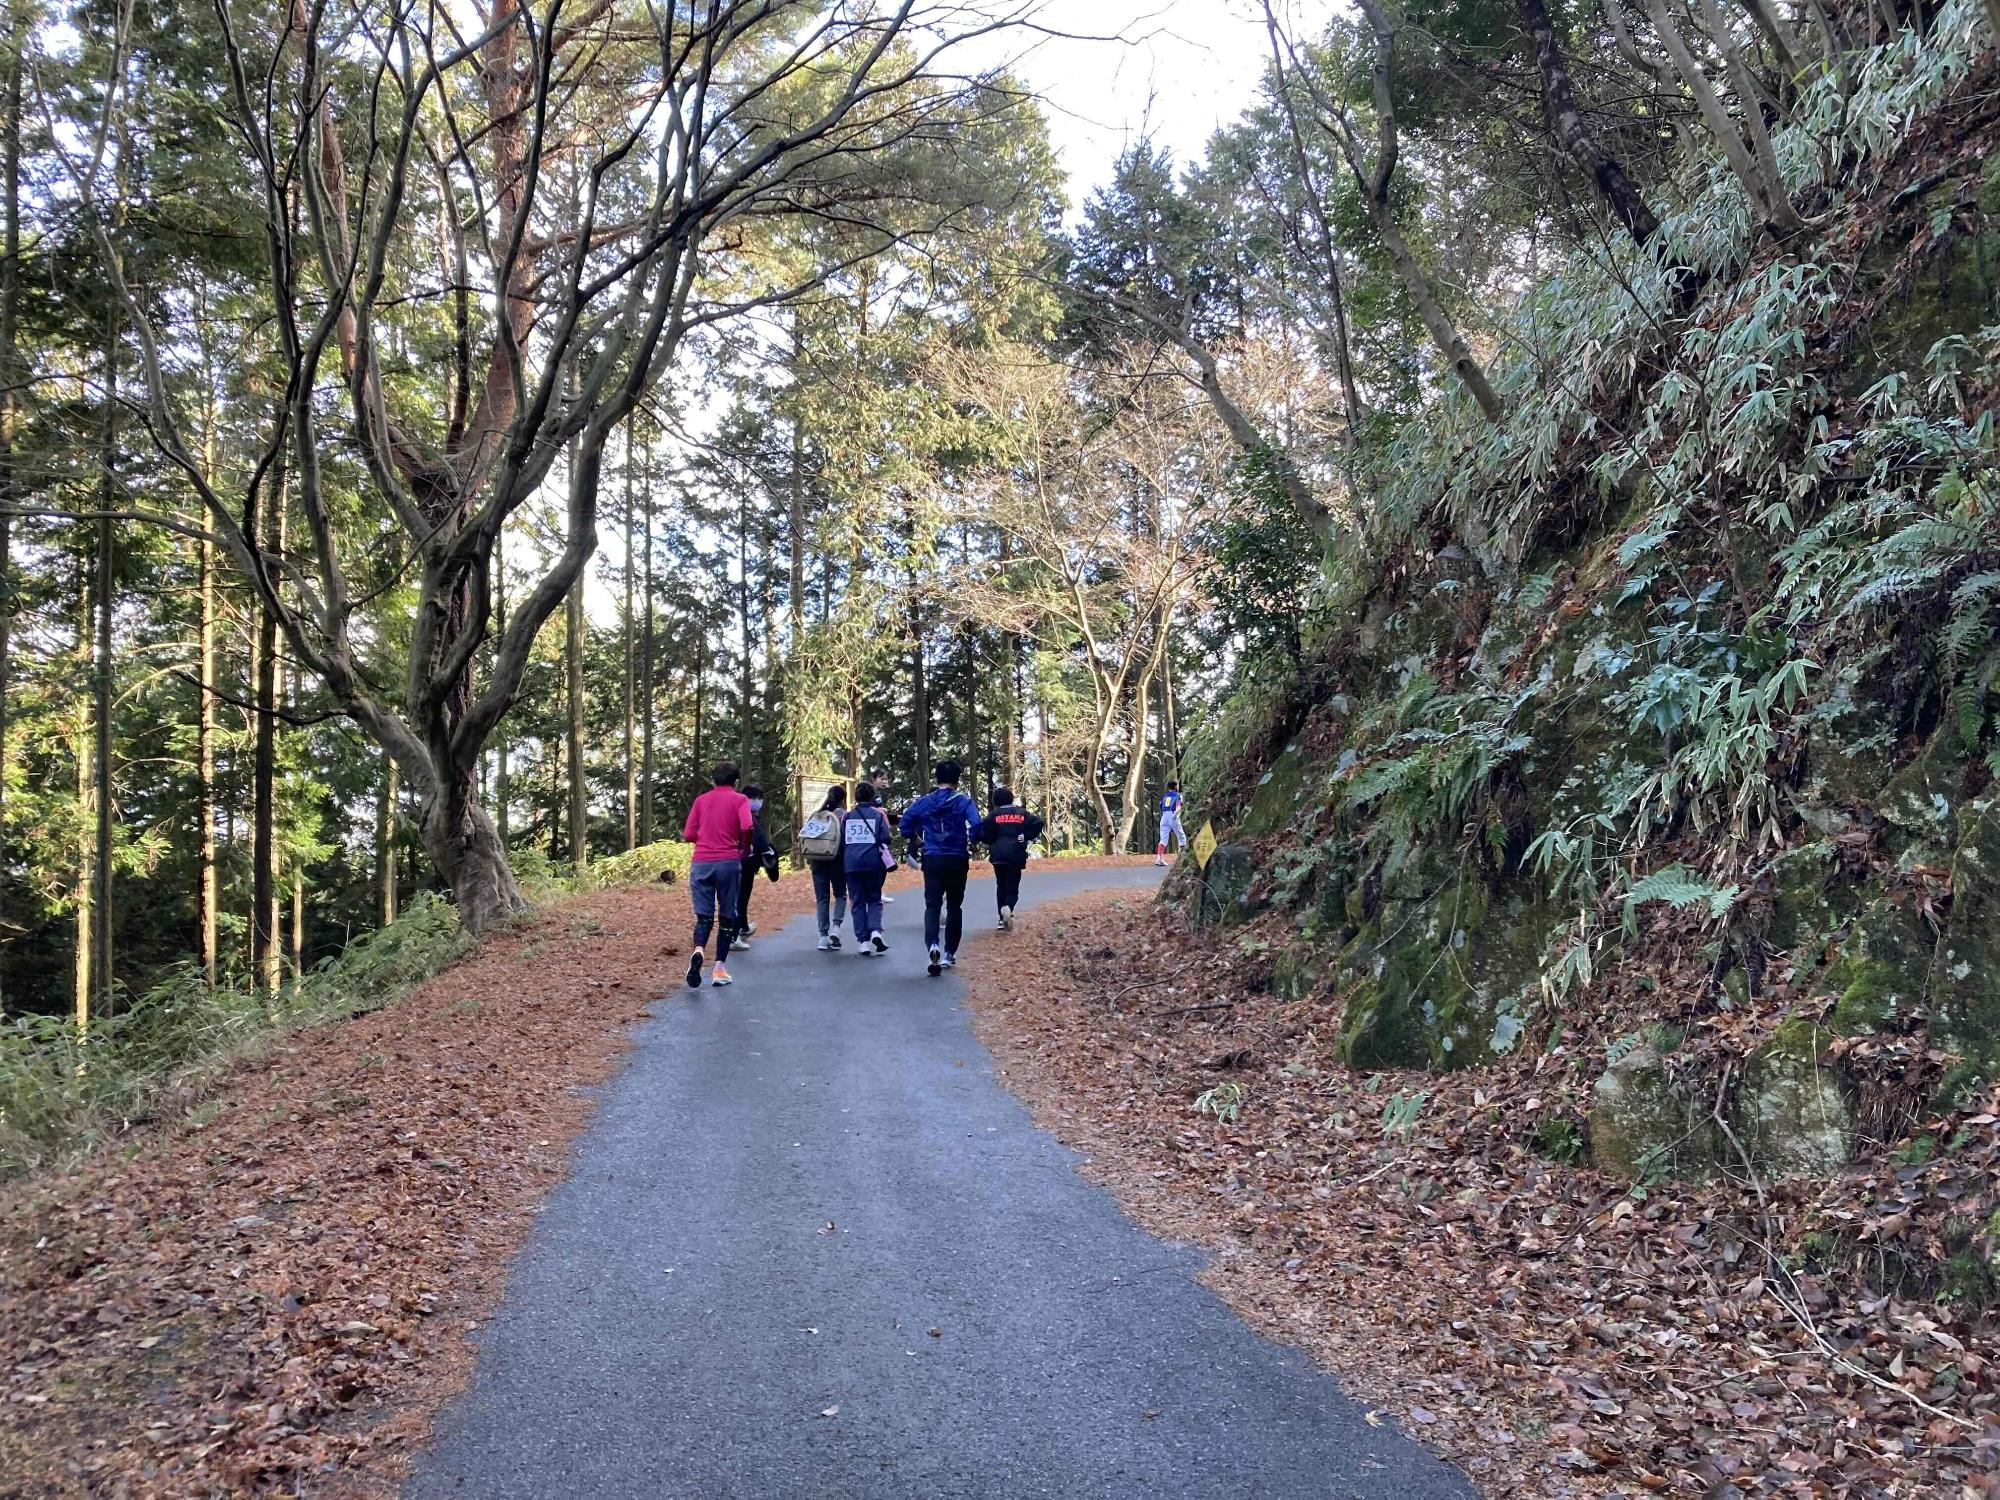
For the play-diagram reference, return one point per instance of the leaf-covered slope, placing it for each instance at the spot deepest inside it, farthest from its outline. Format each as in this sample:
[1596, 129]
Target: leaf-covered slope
[1693, 652]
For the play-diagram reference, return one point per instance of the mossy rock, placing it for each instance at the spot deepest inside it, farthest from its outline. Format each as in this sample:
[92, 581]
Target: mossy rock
[1221, 895]
[1381, 1028]
[1964, 977]
[1848, 762]
[1922, 799]
[1443, 967]
[1641, 1125]
[1791, 1113]
[1279, 797]
[1952, 294]
[1809, 901]
[1296, 971]
[1883, 971]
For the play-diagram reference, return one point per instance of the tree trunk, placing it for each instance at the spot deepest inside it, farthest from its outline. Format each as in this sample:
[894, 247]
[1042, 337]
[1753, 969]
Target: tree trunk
[1316, 205]
[630, 647]
[503, 790]
[207, 891]
[579, 825]
[1567, 122]
[298, 919]
[745, 686]
[1767, 197]
[648, 694]
[1374, 186]
[700, 679]
[264, 952]
[10, 385]
[385, 842]
[466, 849]
[83, 995]
[104, 806]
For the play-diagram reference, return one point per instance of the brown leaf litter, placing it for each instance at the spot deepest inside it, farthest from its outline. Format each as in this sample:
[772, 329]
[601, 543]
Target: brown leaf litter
[1551, 1329]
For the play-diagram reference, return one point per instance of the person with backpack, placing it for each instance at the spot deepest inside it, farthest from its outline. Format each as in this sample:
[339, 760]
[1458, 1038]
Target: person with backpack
[821, 848]
[718, 825]
[1006, 831]
[1170, 822]
[944, 819]
[757, 855]
[866, 860]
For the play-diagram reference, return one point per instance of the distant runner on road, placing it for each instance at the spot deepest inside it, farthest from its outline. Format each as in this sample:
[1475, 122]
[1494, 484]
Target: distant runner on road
[1006, 831]
[718, 825]
[945, 819]
[1170, 822]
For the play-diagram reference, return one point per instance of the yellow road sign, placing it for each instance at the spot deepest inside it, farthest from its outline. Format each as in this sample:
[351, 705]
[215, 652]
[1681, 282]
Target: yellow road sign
[1204, 844]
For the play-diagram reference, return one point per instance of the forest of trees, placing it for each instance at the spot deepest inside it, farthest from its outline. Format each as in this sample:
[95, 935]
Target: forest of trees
[430, 433]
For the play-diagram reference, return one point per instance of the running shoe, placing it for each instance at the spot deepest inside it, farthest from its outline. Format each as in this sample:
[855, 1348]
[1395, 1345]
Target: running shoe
[1006, 919]
[887, 897]
[833, 941]
[951, 960]
[875, 937]
[694, 970]
[936, 964]
[824, 942]
[741, 940]
[749, 929]
[720, 977]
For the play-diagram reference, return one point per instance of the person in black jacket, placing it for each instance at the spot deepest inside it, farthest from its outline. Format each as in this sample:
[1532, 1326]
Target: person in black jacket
[760, 856]
[1006, 831]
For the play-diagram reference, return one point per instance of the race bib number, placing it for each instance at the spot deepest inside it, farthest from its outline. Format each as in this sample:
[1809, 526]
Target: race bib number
[861, 831]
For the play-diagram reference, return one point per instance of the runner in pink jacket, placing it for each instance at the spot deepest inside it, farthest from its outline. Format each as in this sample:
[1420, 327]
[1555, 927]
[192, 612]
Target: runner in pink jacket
[718, 825]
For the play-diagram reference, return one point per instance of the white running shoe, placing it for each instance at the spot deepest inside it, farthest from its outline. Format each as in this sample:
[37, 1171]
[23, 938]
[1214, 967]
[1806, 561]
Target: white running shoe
[824, 942]
[833, 941]
[887, 897]
[875, 937]
[719, 977]
[951, 960]
[936, 963]
[741, 940]
[1006, 919]
[749, 929]
[864, 951]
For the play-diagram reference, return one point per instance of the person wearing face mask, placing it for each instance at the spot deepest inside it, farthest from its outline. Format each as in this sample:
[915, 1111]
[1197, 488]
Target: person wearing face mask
[757, 855]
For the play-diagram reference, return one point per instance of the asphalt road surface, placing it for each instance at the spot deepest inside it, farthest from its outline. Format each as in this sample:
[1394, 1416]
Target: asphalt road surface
[809, 1246]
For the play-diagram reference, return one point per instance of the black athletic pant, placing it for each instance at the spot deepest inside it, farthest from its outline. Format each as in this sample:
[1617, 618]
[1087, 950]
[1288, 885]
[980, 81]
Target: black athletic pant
[1007, 884]
[750, 868]
[944, 885]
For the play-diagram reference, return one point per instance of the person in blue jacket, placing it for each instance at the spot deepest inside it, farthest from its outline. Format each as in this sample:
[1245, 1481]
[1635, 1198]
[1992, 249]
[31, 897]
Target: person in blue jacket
[1170, 822]
[947, 820]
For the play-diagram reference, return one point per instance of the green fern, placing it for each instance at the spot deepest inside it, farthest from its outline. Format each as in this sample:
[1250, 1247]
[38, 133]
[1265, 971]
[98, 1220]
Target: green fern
[1680, 888]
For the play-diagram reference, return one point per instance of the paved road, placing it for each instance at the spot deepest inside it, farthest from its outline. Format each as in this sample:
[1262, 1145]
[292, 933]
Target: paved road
[682, 1322]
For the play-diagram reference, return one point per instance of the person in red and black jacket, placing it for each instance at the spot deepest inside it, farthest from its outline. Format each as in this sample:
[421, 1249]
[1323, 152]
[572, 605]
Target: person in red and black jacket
[1006, 831]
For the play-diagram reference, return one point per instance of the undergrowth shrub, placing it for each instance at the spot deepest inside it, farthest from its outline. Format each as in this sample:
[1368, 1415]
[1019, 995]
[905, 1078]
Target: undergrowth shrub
[61, 1092]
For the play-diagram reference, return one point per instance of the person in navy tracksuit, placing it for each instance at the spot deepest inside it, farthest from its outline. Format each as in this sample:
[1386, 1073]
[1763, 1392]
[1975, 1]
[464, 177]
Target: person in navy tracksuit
[1170, 822]
[1006, 831]
[864, 840]
[946, 820]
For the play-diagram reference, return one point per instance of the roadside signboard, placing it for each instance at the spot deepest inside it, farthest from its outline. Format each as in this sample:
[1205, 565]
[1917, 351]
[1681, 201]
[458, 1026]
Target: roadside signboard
[812, 793]
[1204, 844]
